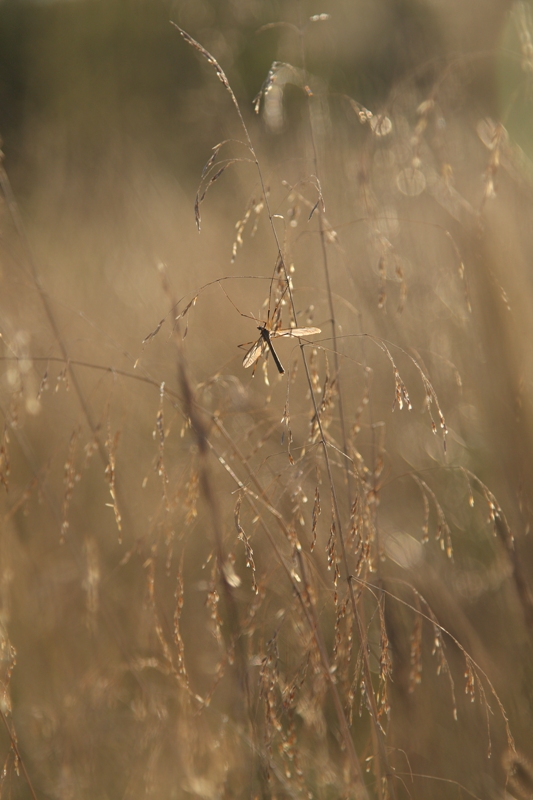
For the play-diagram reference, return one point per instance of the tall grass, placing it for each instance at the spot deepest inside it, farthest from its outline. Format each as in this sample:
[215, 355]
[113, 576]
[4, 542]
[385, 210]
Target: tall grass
[229, 582]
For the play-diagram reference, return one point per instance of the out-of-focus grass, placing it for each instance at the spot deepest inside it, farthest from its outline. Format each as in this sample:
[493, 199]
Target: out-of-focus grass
[178, 617]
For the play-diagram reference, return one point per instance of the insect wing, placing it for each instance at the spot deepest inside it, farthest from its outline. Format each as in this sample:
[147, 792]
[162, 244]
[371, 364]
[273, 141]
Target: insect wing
[297, 332]
[253, 353]
[264, 343]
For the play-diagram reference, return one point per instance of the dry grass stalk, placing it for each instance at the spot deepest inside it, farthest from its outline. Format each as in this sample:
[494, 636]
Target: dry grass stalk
[273, 634]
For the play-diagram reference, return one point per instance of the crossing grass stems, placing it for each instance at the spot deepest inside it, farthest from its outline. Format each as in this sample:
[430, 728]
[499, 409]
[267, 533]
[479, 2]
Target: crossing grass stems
[297, 635]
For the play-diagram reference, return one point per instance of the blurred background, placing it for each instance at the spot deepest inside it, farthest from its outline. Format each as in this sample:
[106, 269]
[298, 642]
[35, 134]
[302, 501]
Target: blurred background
[131, 666]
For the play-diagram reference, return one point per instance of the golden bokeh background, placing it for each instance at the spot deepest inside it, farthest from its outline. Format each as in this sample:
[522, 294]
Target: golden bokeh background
[140, 461]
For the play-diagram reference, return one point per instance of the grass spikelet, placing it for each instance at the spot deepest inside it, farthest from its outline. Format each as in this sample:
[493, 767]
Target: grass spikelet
[160, 435]
[442, 662]
[184, 315]
[200, 197]
[269, 682]
[443, 533]
[178, 638]
[322, 417]
[339, 639]
[192, 493]
[233, 642]
[62, 380]
[248, 550]
[278, 72]
[385, 668]
[401, 395]
[165, 646]
[153, 333]
[44, 385]
[111, 445]
[316, 513]
[221, 75]
[240, 225]
[255, 208]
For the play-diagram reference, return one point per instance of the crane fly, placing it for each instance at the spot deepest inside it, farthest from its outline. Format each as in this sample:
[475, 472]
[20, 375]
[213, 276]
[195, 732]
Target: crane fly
[264, 343]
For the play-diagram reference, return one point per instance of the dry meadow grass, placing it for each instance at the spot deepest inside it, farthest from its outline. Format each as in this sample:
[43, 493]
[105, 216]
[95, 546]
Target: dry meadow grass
[230, 582]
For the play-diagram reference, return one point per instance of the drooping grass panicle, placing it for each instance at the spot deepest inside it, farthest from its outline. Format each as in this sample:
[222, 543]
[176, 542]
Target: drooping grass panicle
[280, 613]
